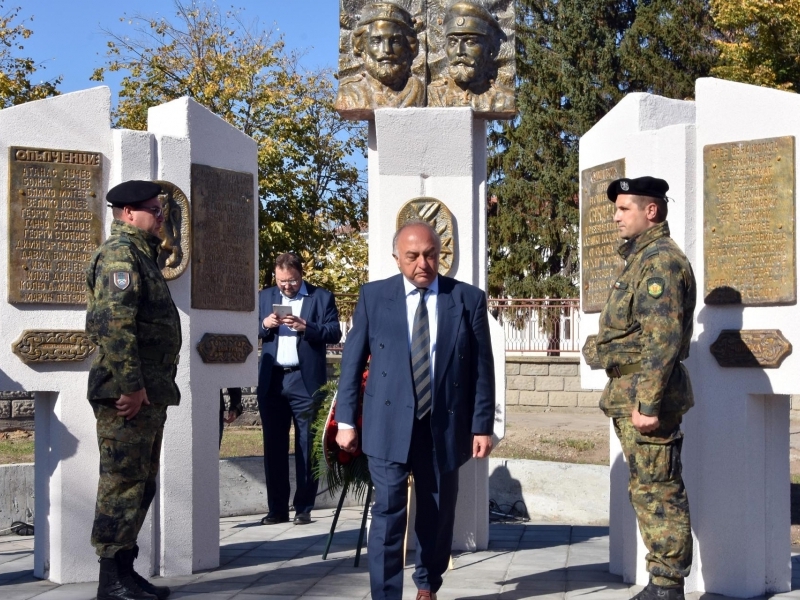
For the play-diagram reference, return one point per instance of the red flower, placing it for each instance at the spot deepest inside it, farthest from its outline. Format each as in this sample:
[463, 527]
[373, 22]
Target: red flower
[343, 457]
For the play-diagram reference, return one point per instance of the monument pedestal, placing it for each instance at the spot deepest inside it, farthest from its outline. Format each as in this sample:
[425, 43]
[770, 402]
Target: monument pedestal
[723, 156]
[71, 158]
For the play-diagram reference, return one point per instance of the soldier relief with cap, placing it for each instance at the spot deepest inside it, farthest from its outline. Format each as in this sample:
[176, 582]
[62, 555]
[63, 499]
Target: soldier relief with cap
[131, 317]
[472, 42]
[644, 335]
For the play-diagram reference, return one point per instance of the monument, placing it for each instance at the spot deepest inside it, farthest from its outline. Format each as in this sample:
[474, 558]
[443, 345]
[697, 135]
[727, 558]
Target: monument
[733, 181]
[60, 156]
[430, 162]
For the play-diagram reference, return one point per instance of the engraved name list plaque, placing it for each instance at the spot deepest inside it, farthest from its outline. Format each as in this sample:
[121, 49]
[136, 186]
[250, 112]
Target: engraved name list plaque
[223, 239]
[55, 223]
[749, 226]
[599, 240]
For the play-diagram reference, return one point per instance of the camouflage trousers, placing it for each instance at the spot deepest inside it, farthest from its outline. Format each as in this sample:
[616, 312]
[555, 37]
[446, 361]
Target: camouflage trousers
[659, 497]
[129, 460]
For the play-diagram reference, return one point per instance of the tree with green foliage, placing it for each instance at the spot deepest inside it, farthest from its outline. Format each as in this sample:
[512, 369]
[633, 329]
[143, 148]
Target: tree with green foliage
[310, 188]
[576, 59]
[15, 71]
[760, 42]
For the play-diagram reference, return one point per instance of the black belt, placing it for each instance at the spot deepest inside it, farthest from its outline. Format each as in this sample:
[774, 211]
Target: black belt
[152, 355]
[617, 372]
[286, 369]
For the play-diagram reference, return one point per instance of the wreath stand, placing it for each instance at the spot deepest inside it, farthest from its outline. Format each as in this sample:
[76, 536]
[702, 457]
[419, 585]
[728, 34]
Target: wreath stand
[336, 520]
[364, 521]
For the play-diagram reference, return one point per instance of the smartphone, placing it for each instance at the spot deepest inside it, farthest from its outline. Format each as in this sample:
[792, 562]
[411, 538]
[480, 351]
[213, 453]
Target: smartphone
[282, 310]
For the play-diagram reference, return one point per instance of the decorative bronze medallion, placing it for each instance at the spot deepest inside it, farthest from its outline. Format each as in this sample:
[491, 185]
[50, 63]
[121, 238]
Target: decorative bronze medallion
[589, 352]
[224, 348]
[759, 348]
[55, 222]
[175, 251]
[599, 240]
[62, 345]
[435, 213]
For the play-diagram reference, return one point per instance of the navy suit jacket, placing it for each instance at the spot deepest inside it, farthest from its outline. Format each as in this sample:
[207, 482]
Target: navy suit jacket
[464, 386]
[322, 328]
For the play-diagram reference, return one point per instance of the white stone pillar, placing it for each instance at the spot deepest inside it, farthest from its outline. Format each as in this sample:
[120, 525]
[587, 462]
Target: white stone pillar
[439, 153]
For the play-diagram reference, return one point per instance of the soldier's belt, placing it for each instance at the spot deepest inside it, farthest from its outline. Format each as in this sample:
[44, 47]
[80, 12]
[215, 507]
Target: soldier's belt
[153, 355]
[617, 372]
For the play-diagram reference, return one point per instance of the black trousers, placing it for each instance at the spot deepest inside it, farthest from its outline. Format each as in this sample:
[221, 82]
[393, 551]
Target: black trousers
[287, 401]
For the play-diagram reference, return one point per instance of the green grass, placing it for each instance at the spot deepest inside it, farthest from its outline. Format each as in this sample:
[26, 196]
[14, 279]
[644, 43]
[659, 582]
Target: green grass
[15, 449]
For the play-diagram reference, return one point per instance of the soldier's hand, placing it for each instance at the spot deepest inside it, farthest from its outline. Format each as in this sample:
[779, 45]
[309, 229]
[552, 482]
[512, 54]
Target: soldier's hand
[231, 416]
[481, 446]
[643, 423]
[129, 405]
[347, 439]
[271, 321]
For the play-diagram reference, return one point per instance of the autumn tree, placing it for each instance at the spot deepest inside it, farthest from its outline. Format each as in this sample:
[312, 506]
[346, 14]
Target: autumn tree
[310, 188]
[760, 43]
[575, 60]
[16, 71]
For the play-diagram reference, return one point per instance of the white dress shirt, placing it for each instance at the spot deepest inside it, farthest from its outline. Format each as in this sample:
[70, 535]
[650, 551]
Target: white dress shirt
[287, 337]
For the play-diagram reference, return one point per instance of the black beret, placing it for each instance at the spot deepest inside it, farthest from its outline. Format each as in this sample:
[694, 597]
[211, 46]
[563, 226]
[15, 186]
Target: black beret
[641, 186]
[132, 192]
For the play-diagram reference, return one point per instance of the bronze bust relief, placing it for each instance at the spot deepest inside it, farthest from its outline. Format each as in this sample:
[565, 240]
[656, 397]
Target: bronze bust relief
[462, 49]
[472, 60]
[384, 45]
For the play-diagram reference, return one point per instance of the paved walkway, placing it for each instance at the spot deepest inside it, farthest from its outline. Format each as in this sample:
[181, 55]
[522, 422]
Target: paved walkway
[283, 562]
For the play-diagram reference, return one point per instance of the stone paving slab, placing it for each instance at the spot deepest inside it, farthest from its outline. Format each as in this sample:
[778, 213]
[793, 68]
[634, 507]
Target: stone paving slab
[284, 562]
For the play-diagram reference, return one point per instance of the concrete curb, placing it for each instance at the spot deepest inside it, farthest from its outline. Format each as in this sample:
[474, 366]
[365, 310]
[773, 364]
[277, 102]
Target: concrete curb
[545, 491]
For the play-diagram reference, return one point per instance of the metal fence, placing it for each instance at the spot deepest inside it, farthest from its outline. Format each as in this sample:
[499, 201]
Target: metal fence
[531, 325]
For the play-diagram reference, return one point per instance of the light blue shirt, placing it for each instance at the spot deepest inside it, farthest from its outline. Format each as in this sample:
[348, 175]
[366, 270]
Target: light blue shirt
[287, 337]
[412, 301]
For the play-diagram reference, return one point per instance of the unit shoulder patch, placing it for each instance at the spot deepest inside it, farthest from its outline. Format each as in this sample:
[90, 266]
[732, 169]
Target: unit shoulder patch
[120, 281]
[655, 287]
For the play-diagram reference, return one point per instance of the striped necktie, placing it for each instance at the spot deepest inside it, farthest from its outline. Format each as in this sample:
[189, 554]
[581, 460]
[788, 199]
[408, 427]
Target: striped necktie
[420, 356]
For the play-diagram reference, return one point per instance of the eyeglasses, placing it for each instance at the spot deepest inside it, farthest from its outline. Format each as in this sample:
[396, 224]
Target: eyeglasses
[156, 211]
[287, 282]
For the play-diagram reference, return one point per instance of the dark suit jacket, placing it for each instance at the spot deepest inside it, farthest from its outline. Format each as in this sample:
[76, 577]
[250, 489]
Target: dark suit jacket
[322, 328]
[463, 393]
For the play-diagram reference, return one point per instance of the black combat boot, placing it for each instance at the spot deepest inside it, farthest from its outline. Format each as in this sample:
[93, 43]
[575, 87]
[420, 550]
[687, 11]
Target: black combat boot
[657, 592]
[116, 583]
[159, 591]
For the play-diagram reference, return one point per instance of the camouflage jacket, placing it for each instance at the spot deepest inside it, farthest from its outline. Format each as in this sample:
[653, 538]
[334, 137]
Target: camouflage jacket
[647, 319]
[132, 319]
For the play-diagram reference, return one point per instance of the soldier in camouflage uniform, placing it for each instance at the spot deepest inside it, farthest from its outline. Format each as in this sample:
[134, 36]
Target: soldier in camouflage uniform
[645, 330]
[132, 319]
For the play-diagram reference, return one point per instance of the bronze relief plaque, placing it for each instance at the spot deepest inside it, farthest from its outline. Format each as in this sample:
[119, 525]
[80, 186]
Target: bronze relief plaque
[55, 222]
[223, 239]
[437, 215]
[749, 228]
[471, 56]
[754, 348]
[175, 250]
[53, 346]
[599, 240]
[224, 348]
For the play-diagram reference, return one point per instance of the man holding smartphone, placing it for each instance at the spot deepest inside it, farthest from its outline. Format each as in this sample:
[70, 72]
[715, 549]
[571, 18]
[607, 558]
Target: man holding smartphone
[296, 322]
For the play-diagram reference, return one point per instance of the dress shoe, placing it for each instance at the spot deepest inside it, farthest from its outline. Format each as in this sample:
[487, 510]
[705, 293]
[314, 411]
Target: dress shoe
[425, 595]
[302, 518]
[274, 519]
[657, 592]
[159, 591]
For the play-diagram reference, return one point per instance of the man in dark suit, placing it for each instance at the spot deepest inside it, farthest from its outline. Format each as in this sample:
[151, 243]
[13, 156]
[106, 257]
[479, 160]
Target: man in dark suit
[428, 405]
[292, 370]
